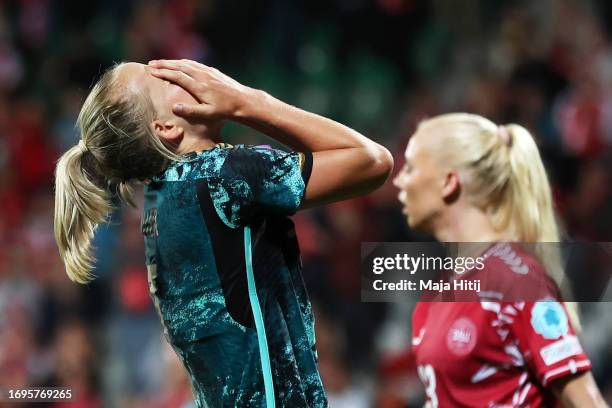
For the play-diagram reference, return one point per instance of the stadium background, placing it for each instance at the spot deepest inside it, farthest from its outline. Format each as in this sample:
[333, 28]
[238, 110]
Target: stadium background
[378, 66]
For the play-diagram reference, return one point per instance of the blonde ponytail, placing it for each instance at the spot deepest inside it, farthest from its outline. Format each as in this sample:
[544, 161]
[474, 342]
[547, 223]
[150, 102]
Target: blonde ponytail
[529, 206]
[117, 147]
[80, 205]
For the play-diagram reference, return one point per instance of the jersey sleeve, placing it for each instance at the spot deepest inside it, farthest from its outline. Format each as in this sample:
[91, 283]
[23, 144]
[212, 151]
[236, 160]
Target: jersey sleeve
[419, 317]
[548, 340]
[256, 181]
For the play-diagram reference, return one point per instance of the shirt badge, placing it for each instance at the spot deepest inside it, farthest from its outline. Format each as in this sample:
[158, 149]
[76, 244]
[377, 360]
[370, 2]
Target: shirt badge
[461, 337]
[549, 319]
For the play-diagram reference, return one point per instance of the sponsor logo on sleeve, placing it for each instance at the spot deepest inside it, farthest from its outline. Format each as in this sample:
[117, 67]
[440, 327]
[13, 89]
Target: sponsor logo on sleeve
[560, 350]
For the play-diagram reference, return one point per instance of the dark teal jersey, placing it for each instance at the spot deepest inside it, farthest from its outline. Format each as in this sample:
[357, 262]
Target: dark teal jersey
[212, 222]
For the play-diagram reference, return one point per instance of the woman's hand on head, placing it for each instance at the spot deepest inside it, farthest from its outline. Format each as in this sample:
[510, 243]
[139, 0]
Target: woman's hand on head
[220, 97]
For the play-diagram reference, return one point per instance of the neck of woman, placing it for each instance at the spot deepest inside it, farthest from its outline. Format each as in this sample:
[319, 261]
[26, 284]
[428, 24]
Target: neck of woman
[466, 224]
[205, 137]
[471, 228]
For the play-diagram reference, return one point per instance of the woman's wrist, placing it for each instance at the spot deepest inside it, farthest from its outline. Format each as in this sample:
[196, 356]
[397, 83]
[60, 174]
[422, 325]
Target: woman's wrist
[251, 105]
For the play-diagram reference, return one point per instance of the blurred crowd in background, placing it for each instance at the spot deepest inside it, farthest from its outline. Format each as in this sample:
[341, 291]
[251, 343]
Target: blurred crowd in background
[379, 66]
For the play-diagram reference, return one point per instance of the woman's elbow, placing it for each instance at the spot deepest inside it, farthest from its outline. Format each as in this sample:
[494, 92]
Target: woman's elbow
[376, 165]
[381, 163]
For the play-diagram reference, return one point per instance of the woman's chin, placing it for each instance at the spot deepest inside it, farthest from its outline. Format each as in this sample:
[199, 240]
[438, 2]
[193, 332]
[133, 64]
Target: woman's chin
[411, 220]
[415, 223]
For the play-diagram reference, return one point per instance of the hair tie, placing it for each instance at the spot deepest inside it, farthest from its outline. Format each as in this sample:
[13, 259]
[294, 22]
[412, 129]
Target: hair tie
[504, 134]
[83, 147]
[91, 165]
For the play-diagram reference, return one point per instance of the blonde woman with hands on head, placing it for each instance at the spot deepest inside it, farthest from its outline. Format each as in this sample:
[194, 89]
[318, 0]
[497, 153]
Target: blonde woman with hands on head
[222, 255]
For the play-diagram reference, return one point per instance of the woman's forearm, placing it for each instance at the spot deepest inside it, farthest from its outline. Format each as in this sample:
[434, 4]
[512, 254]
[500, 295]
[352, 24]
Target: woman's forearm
[346, 164]
[296, 128]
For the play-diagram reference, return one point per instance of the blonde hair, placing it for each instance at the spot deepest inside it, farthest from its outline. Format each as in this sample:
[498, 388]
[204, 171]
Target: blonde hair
[117, 148]
[504, 175]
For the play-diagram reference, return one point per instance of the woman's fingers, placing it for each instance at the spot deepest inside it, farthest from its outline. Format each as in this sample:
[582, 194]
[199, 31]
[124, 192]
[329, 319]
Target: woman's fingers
[180, 78]
[197, 66]
[192, 111]
[218, 94]
[177, 65]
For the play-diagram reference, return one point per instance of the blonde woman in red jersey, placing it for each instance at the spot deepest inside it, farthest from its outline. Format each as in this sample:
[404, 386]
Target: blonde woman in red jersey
[468, 180]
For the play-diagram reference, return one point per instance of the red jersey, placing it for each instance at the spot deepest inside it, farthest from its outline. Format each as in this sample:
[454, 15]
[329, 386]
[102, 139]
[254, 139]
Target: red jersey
[497, 352]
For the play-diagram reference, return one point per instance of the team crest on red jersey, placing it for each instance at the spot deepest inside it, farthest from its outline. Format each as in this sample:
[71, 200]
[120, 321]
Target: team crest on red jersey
[461, 337]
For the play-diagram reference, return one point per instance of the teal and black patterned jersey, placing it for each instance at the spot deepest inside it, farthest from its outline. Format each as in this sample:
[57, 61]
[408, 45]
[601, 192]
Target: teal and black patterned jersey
[225, 275]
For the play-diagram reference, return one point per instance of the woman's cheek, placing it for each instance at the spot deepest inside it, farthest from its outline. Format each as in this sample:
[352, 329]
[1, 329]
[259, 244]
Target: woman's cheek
[410, 190]
[177, 94]
[414, 197]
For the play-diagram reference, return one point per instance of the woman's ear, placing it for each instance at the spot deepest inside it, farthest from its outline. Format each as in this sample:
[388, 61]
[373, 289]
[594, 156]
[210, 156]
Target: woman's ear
[451, 187]
[168, 130]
